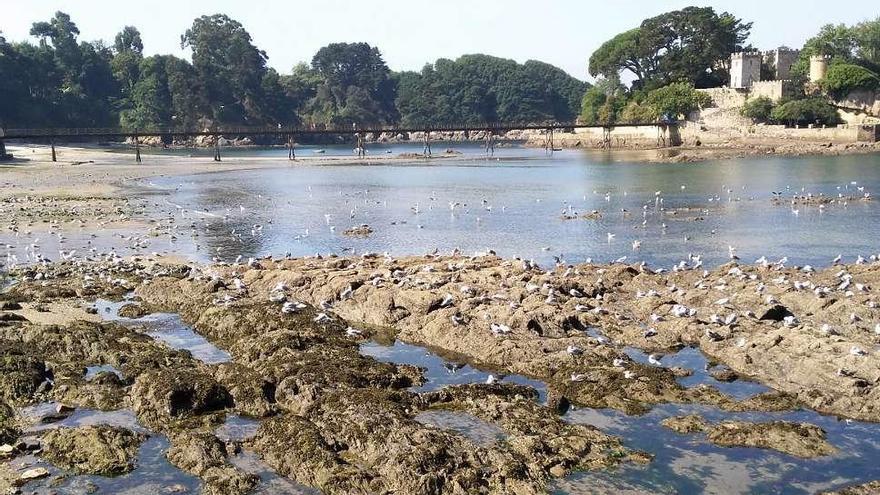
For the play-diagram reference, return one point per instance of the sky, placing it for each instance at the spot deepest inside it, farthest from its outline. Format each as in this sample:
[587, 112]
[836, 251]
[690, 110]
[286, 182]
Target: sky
[412, 33]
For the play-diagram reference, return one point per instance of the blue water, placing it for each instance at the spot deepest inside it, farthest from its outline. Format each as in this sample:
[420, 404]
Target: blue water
[513, 205]
[440, 372]
[169, 329]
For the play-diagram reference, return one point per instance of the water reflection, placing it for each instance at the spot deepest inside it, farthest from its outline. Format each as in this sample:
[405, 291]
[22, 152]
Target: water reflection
[514, 206]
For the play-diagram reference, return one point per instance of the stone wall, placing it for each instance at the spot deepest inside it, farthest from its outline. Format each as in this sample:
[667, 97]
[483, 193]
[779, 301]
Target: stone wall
[725, 98]
[774, 90]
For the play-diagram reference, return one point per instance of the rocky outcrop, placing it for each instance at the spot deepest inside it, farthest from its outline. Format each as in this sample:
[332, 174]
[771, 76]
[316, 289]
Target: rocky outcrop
[796, 439]
[99, 450]
[203, 455]
[162, 396]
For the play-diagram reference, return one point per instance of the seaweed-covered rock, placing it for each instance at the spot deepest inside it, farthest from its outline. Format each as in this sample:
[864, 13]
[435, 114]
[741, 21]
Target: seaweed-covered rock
[99, 450]
[169, 394]
[21, 374]
[797, 439]
[691, 423]
[204, 455]
[8, 430]
[134, 311]
[252, 395]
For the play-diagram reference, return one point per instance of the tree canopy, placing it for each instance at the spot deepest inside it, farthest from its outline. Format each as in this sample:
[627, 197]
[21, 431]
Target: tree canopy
[482, 88]
[691, 45]
[60, 81]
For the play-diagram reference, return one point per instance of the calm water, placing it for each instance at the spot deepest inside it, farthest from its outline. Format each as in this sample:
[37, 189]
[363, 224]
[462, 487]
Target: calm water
[513, 204]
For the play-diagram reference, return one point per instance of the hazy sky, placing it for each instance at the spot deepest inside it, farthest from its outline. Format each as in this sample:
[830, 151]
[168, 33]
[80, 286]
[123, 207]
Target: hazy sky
[412, 32]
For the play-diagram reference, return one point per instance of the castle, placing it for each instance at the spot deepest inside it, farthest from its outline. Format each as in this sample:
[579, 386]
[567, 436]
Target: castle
[745, 71]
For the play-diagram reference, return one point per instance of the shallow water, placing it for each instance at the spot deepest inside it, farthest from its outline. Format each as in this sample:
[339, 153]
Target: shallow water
[683, 463]
[239, 429]
[153, 472]
[440, 372]
[689, 464]
[169, 329]
[513, 204]
[692, 359]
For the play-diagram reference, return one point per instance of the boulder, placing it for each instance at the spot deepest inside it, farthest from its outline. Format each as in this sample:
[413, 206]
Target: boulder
[164, 395]
[98, 450]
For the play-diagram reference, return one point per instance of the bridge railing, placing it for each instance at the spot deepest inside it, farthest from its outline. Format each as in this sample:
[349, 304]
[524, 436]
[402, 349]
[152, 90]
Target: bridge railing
[115, 132]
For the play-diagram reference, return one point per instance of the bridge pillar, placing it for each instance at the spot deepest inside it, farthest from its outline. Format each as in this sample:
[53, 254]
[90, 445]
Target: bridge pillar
[606, 137]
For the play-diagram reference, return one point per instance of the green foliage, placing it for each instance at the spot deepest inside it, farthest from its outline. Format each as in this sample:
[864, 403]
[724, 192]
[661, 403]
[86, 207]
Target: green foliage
[635, 112]
[758, 109]
[354, 86]
[62, 82]
[481, 88]
[806, 111]
[676, 99]
[842, 79]
[689, 45]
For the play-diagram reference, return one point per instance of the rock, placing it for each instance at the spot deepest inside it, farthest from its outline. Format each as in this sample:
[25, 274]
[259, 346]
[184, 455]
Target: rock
[21, 374]
[775, 313]
[796, 439]
[133, 311]
[363, 230]
[685, 424]
[168, 394]
[32, 474]
[204, 455]
[251, 394]
[9, 306]
[869, 488]
[724, 374]
[8, 429]
[99, 450]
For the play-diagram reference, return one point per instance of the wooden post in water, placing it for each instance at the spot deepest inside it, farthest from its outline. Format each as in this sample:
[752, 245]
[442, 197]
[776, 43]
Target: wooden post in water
[552, 146]
[217, 149]
[54, 158]
[490, 143]
[291, 154]
[606, 137]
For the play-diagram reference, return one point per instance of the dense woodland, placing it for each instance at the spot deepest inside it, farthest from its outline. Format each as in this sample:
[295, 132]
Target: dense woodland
[62, 81]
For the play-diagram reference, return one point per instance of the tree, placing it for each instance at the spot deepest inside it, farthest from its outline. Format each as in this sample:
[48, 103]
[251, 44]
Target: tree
[129, 40]
[806, 111]
[842, 79]
[690, 45]
[867, 40]
[676, 99]
[758, 109]
[480, 88]
[230, 68]
[356, 70]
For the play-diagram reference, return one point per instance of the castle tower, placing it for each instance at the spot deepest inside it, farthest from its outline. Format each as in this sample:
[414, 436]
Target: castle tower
[745, 69]
[782, 59]
[818, 67]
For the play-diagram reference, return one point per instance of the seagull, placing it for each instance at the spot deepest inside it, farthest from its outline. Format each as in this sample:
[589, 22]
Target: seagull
[491, 380]
[574, 350]
[654, 359]
[352, 332]
[322, 318]
[857, 351]
[447, 300]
